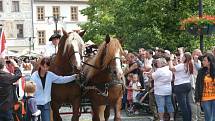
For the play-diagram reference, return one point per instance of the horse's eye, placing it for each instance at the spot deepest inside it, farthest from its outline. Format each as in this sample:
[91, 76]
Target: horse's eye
[114, 72]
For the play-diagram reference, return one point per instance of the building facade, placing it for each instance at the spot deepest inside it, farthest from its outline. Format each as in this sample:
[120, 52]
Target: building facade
[16, 19]
[28, 24]
[50, 16]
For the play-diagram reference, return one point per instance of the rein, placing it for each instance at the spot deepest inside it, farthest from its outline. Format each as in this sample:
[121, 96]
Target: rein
[72, 65]
[90, 65]
[106, 85]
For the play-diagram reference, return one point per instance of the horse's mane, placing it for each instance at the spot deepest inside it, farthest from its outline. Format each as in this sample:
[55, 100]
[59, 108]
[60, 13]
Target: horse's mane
[112, 47]
[73, 40]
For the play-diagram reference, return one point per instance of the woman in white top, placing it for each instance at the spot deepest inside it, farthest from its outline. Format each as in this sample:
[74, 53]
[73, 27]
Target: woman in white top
[43, 80]
[182, 84]
[162, 88]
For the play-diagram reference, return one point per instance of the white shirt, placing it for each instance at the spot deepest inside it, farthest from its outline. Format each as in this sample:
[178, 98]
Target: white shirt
[181, 76]
[162, 81]
[43, 96]
[197, 66]
[49, 50]
[134, 85]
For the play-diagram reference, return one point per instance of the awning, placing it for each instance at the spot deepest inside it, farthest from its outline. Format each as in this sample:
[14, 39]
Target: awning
[89, 43]
[11, 53]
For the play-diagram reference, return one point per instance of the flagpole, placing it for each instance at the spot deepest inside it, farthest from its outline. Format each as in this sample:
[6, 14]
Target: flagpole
[2, 41]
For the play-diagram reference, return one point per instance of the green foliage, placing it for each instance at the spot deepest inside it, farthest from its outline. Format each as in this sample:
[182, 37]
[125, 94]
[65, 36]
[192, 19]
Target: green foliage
[144, 23]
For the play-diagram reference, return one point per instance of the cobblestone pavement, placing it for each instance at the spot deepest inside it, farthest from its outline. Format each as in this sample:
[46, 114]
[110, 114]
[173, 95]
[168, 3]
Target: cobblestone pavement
[88, 117]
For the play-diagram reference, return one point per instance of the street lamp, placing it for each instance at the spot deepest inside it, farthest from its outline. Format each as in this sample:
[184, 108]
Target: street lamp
[201, 35]
[31, 44]
[56, 19]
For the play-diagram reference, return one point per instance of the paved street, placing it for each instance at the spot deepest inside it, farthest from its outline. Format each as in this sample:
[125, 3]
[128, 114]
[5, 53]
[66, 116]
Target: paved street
[87, 117]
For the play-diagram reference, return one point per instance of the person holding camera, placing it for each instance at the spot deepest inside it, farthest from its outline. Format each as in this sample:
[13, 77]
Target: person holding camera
[133, 65]
[6, 89]
[162, 88]
[182, 84]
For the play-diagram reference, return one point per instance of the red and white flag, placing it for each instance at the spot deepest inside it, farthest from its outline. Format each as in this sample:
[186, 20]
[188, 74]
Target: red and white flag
[2, 41]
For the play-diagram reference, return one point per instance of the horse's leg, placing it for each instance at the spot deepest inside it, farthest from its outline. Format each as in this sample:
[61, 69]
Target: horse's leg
[76, 110]
[51, 115]
[55, 108]
[102, 112]
[95, 115]
[107, 112]
[98, 113]
[117, 110]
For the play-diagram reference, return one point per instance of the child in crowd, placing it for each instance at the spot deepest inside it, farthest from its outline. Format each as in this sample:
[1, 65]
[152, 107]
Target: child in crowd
[32, 113]
[133, 89]
[129, 89]
[136, 87]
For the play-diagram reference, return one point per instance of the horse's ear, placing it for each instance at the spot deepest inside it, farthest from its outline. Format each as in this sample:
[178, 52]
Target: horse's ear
[120, 40]
[81, 34]
[65, 33]
[107, 39]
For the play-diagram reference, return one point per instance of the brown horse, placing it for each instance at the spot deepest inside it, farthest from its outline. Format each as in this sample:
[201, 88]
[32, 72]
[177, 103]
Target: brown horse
[67, 62]
[104, 84]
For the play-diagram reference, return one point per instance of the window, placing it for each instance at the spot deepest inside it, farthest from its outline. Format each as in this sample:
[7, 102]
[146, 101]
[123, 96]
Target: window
[41, 37]
[56, 11]
[1, 6]
[74, 13]
[40, 13]
[19, 28]
[15, 6]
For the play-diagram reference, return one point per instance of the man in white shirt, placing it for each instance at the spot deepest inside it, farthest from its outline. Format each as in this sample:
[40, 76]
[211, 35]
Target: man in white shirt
[51, 48]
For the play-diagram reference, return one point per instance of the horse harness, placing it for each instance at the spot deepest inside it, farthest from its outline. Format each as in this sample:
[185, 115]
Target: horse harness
[72, 65]
[102, 88]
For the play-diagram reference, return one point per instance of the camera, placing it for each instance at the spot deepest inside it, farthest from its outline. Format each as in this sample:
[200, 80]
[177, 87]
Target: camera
[8, 62]
[139, 63]
[154, 63]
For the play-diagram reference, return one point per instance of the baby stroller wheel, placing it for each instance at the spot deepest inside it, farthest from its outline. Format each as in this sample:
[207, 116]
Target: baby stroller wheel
[129, 111]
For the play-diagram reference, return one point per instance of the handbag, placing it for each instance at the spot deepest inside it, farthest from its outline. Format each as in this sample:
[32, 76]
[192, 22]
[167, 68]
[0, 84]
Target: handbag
[192, 81]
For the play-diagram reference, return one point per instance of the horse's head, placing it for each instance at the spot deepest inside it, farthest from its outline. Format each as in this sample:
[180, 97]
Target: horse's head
[111, 57]
[107, 62]
[72, 47]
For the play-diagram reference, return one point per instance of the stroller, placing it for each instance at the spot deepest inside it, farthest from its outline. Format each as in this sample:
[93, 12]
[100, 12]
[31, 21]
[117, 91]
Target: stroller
[141, 106]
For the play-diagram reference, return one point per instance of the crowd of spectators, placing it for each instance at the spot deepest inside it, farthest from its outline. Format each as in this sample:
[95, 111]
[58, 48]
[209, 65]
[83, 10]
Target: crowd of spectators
[186, 76]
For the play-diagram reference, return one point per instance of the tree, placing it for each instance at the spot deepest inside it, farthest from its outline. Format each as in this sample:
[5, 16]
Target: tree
[143, 23]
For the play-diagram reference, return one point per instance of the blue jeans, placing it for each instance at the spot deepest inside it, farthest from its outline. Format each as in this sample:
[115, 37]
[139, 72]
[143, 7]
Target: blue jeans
[162, 101]
[196, 109]
[45, 111]
[6, 115]
[209, 110]
[124, 100]
[182, 96]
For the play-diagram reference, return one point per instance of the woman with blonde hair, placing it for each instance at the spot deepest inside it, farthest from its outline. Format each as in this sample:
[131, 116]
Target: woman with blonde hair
[162, 88]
